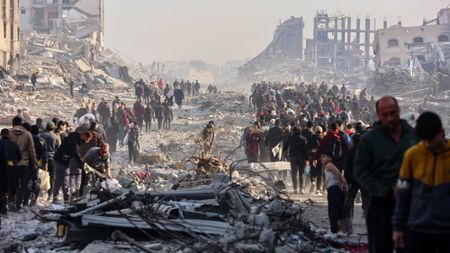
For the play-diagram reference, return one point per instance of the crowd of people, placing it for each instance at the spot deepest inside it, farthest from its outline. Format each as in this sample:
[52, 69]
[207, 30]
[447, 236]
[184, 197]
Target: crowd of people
[56, 148]
[349, 143]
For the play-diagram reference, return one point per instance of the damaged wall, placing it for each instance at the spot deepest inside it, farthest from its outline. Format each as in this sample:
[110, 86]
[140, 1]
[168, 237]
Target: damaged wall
[392, 46]
[80, 18]
[287, 44]
[9, 33]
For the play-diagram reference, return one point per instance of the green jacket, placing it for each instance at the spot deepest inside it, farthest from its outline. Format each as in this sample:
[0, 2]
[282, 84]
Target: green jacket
[379, 157]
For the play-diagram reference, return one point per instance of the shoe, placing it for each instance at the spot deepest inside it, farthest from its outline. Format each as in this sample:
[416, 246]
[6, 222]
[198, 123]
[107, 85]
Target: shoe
[295, 191]
[302, 192]
[319, 193]
[313, 186]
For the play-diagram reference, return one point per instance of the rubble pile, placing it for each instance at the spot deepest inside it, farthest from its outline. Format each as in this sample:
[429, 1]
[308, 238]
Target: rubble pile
[282, 60]
[287, 69]
[59, 58]
[221, 216]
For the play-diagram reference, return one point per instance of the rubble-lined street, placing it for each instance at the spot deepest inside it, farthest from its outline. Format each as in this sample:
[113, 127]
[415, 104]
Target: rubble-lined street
[137, 127]
[166, 159]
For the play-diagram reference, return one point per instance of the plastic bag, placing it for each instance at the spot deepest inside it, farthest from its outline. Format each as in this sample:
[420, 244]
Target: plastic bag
[45, 180]
[111, 185]
[125, 139]
[307, 169]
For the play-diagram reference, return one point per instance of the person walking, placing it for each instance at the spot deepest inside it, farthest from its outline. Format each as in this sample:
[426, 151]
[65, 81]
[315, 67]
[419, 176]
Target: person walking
[298, 153]
[159, 114]
[53, 142]
[24, 140]
[336, 185]
[149, 114]
[12, 157]
[70, 148]
[423, 199]
[34, 80]
[168, 116]
[133, 143]
[376, 169]
[273, 139]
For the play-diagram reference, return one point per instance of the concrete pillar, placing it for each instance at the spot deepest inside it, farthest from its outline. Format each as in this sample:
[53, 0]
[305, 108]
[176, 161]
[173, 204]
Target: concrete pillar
[367, 44]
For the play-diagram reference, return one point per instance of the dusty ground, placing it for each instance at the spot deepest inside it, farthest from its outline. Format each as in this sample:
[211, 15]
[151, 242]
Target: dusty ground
[228, 110]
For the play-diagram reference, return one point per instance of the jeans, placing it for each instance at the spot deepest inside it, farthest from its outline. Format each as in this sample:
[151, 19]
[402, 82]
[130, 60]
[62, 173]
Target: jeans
[334, 197]
[61, 181]
[297, 170]
[22, 182]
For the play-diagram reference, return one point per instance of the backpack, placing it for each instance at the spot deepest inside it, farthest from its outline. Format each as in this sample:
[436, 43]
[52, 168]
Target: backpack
[337, 148]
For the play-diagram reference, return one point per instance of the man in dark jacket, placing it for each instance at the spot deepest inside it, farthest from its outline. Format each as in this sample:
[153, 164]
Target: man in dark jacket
[298, 152]
[12, 157]
[148, 117]
[139, 110]
[3, 181]
[376, 169]
[274, 137]
[70, 148]
[159, 114]
[179, 97]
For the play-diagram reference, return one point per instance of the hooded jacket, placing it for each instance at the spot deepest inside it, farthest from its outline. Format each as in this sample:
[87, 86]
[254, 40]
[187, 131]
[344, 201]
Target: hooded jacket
[24, 140]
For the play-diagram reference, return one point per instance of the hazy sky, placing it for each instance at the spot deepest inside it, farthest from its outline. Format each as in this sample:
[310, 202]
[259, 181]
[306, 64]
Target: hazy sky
[221, 30]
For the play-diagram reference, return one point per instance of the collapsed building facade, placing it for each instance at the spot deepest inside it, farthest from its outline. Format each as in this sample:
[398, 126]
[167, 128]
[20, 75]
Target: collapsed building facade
[285, 49]
[9, 34]
[336, 49]
[413, 57]
[338, 45]
[80, 18]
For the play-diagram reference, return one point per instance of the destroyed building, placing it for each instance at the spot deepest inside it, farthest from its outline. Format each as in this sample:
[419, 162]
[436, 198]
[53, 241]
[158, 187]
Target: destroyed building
[338, 45]
[394, 46]
[81, 18]
[286, 46]
[336, 48]
[9, 34]
[410, 59]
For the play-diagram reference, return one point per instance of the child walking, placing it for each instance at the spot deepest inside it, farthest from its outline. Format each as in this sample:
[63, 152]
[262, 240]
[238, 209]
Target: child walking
[336, 184]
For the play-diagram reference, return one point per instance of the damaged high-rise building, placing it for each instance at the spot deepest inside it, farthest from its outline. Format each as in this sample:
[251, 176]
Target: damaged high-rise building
[9, 34]
[340, 45]
[83, 19]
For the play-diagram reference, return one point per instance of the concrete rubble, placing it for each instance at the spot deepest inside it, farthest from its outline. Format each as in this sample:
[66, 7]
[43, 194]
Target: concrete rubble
[172, 200]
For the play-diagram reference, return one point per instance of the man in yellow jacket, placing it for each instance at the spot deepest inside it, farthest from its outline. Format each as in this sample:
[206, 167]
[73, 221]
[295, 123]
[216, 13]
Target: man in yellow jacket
[423, 199]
